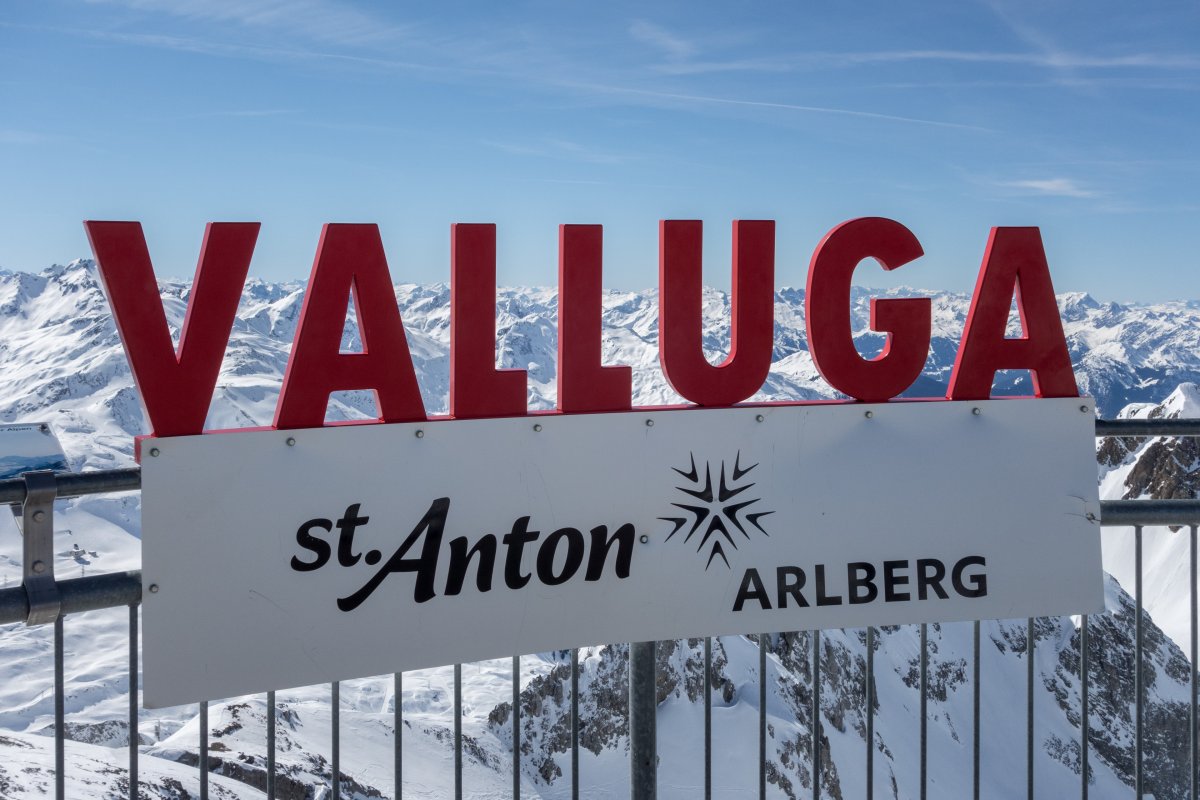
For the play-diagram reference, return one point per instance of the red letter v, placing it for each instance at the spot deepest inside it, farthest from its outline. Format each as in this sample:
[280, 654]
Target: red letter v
[176, 388]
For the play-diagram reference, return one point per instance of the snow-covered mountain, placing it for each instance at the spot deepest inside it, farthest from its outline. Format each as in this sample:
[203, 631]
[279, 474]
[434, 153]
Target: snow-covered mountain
[63, 364]
[1156, 468]
[63, 361]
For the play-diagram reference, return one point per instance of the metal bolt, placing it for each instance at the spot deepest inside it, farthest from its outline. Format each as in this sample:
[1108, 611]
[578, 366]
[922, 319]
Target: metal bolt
[420, 434]
[644, 539]
[291, 441]
[537, 427]
[759, 417]
[1084, 409]
[977, 411]
[649, 423]
[154, 588]
[1091, 517]
[868, 414]
[154, 452]
[39, 516]
[39, 567]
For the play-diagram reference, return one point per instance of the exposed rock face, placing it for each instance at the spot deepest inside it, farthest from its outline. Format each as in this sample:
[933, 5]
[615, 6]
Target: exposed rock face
[1112, 698]
[1166, 469]
[109, 733]
[1162, 468]
[227, 755]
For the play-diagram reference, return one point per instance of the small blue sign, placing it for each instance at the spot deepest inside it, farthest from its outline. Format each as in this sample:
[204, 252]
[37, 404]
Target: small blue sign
[29, 447]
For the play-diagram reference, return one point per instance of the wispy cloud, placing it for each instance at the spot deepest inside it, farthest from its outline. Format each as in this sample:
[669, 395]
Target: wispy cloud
[1063, 61]
[683, 56]
[1117, 164]
[560, 149]
[731, 65]
[569, 181]
[242, 50]
[1070, 67]
[318, 20]
[14, 136]
[249, 112]
[1042, 58]
[674, 47]
[706, 99]
[1181, 84]
[1052, 187]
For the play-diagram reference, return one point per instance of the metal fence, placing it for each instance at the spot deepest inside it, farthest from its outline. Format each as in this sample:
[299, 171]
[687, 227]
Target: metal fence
[41, 599]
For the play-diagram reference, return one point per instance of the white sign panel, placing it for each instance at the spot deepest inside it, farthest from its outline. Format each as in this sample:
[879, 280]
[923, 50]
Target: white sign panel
[283, 558]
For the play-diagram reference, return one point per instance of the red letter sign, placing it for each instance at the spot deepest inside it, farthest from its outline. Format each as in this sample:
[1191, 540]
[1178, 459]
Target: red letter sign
[477, 388]
[680, 328]
[1014, 263]
[349, 258]
[827, 311]
[176, 387]
[583, 384]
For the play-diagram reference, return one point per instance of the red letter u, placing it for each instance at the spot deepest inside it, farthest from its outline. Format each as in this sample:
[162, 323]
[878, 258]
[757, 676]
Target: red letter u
[680, 326]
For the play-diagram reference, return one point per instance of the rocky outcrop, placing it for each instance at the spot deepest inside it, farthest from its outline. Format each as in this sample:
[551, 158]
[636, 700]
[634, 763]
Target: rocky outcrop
[545, 701]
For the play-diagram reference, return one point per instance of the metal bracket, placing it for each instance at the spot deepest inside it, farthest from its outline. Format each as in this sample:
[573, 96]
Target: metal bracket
[37, 518]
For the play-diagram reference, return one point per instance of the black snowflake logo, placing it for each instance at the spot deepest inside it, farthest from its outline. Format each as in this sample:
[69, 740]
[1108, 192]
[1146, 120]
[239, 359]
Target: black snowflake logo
[716, 508]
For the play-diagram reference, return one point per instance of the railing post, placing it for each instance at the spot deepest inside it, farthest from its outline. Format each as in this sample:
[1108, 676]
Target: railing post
[203, 763]
[708, 718]
[1084, 731]
[398, 741]
[1030, 644]
[923, 679]
[643, 745]
[60, 727]
[975, 694]
[516, 727]
[575, 724]
[41, 590]
[133, 703]
[458, 742]
[37, 530]
[816, 715]
[271, 747]
[869, 693]
[335, 703]
[762, 716]
[1138, 675]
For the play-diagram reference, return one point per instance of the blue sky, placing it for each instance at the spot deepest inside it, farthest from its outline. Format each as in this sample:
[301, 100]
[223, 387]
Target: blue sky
[951, 117]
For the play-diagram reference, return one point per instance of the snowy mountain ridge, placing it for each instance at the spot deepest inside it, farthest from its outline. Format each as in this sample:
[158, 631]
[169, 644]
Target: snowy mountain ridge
[64, 365]
[63, 360]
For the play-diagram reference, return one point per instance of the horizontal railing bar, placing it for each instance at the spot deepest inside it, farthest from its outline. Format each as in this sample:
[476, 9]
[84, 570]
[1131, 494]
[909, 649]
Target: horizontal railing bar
[116, 589]
[1147, 427]
[1114, 513]
[90, 593]
[76, 484]
[124, 588]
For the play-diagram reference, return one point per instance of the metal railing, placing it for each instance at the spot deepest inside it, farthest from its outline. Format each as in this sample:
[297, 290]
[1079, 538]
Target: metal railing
[43, 600]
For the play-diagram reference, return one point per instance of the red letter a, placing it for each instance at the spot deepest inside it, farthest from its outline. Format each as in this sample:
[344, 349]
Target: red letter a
[1014, 262]
[349, 257]
[176, 387]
